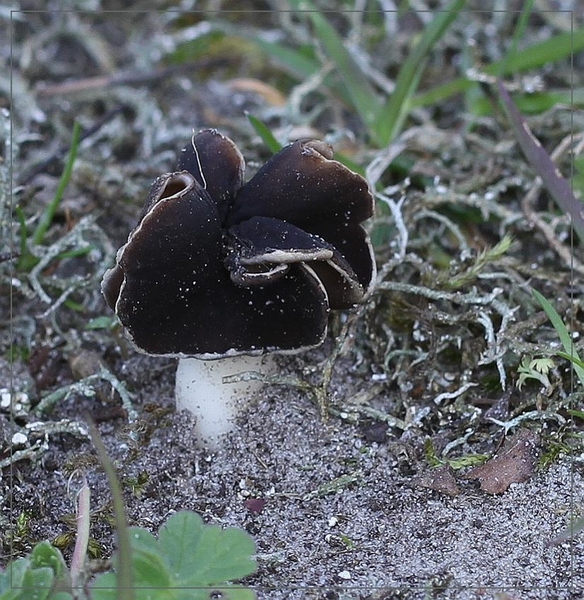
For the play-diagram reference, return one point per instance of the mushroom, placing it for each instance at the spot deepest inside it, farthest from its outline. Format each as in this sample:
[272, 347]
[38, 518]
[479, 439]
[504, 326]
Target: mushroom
[222, 273]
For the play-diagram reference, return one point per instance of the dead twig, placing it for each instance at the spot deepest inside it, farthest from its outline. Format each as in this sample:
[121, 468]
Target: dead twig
[564, 252]
[131, 78]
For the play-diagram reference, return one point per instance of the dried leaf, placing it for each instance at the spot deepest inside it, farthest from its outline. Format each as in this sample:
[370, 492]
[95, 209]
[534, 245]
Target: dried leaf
[514, 464]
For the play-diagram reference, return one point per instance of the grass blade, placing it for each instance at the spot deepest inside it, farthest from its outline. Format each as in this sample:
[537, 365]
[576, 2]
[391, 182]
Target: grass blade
[297, 64]
[573, 359]
[562, 332]
[392, 116]
[264, 132]
[533, 57]
[362, 95]
[517, 34]
[543, 165]
[533, 103]
[49, 213]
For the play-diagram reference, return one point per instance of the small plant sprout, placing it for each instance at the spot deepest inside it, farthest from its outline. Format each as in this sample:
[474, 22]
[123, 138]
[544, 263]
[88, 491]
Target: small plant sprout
[535, 368]
[222, 273]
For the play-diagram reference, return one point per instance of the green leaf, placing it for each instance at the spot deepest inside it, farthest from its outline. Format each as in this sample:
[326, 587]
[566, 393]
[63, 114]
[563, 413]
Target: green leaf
[103, 587]
[467, 460]
[103, 322]
[37, 583]
[36, 576]
[198, 554]
[46, 555]
[11, 578]
[49, 213]
[187, 559]
[148, 566]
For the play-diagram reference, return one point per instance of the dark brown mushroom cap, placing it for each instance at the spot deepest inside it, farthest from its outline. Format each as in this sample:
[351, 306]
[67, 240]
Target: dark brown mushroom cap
[217, 164]
[263, 247]
[217, 268]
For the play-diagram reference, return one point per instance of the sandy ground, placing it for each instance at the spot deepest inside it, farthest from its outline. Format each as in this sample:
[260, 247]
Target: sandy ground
[343, 517]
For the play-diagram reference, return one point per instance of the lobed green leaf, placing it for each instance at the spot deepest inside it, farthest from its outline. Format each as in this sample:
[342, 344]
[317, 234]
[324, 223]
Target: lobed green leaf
[199, 554]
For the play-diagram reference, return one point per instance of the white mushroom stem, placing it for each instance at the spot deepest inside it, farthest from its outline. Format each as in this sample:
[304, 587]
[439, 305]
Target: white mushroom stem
[200, 389]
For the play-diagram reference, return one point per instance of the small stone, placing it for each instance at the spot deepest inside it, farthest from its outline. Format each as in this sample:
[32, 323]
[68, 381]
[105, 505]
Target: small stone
[254, 505]
[440, 479]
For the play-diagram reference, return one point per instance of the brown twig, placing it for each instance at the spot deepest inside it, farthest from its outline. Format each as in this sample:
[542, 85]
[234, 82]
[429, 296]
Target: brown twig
[564, 252]
[131, 78]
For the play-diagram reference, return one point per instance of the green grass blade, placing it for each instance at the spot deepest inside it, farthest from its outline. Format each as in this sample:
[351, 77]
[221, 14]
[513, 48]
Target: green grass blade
[362, 95]
[49, 213]
[393, 114]
[264, 132]
[573, 359]
[561, 330]
[517, 34]
[297, 64]
[533, 103]
[300, 67]
[535, 56]
[543, 53]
